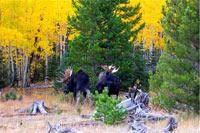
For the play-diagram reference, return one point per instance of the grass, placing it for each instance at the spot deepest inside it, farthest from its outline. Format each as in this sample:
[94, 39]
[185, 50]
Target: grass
[70, 117]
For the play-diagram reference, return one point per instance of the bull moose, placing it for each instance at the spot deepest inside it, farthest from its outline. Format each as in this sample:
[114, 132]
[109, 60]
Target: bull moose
[108, 79]
[76, 83]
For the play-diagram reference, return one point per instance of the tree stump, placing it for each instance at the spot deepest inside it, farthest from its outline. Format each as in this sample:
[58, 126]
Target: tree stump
[37, 106]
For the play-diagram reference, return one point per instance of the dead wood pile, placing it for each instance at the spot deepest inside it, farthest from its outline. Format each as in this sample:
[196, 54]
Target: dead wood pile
[137, 107]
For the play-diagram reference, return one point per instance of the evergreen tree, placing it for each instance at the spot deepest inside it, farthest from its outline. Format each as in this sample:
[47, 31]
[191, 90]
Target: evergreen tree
[106, 109]
[140, 69]
[53, 66]
[3, 73]
[177, 80]
[58, 73]
[106, 32]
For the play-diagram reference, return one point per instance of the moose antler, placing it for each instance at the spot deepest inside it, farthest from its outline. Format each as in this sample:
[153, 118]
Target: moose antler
[110, 69]
[67, 75]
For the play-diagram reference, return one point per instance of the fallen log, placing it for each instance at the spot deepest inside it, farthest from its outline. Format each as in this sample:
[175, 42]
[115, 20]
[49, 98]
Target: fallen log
[37, 106]
[39, 87]
[87, 116]
[56, 129]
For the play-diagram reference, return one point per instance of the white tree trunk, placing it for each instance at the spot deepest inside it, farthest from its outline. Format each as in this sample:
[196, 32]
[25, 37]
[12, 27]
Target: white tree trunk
[25, 80]
[151, 44]
[12, 65]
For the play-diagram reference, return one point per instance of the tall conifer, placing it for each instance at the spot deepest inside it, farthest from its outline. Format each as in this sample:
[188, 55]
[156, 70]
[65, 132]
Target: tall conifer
[177, 80]
[106, 32]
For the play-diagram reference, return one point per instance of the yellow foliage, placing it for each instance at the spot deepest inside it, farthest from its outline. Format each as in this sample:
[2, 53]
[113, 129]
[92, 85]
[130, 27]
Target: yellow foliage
[151, 14]
[22, 21]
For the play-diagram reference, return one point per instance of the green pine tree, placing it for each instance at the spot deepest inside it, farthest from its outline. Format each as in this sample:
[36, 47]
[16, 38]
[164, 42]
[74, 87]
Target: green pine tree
[177, 79]
[140, 72]
[3, 73]
[104, 39]
[106, 109]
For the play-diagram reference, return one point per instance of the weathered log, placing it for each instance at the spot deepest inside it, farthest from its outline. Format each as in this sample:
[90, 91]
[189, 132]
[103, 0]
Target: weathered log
[139, 127]
[86, 116]
[39, 87]
[36, 106]
[56, 129]
[171, 125]
[125, 104]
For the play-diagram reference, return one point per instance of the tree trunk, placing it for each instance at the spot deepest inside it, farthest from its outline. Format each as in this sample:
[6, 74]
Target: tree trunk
[67, 40]
[64, 49]
[0, 46]
[161, 37]
[46, 64]
[17, 65]
[8, 64]
[197, 67]
[57, 47]
[61, 44]
[12, 65]
[151, 45]
[25, 82]
[143, 46]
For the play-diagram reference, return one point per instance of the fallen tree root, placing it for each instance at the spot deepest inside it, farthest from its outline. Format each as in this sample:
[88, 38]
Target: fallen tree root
[137, 108]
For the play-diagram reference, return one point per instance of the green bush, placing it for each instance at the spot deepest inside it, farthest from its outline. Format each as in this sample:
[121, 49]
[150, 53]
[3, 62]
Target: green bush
[58, 111]
[7, 96]
[13, 95]
[106, 109]
[20, 97]
[79, 110]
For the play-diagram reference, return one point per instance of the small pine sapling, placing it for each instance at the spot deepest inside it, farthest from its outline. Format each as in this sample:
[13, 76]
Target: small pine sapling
[7, 96]
[13, 95]
[20, 97]
[106, 109]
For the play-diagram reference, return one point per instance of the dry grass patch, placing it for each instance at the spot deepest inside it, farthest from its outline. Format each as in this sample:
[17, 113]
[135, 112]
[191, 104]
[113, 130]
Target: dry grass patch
[11, 122]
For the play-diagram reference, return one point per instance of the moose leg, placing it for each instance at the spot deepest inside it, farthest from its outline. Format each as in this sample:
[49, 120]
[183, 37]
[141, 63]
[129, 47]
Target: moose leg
[78, 97]
[84, 96]
[74, 97]
[89, 96]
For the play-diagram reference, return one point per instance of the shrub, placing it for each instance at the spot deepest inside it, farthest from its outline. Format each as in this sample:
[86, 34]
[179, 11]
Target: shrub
[106, 109]
[13, 95]
[67, 97]
[7, 96]
[58, 111]
[79, 110]
[20, 97]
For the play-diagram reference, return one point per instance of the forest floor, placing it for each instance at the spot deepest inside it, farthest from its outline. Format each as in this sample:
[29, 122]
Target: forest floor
[68, 116]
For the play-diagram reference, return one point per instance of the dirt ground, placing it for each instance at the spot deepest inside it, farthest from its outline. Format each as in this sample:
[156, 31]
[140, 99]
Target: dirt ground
[65, 114]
